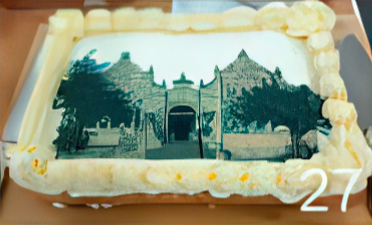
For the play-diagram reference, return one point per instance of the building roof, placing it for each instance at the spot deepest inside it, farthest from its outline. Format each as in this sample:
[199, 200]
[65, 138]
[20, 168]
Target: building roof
[183, 80]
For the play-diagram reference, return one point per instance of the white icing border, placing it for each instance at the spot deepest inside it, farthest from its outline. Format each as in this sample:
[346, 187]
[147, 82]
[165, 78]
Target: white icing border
[32, 163]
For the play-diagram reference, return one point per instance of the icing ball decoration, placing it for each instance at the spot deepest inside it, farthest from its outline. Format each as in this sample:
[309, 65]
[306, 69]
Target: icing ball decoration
[328, 61]
[204, 22]
[344, 115]
[326, 16]
[238, 17]
[305, 18]
[301, 20]
[320, 41]
[98, 19]
[130, 19]
[67, 19]
[272, 17]
[332, 85]
[125, 19]
[150, 18]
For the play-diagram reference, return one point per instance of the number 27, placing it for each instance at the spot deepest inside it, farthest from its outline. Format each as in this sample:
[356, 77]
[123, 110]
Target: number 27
[355, 174]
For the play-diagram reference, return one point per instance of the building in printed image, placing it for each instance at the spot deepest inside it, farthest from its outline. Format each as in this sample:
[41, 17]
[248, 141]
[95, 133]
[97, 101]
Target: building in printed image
[245, 113]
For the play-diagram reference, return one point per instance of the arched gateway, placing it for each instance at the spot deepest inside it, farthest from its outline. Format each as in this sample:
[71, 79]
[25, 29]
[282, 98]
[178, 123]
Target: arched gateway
[182, 111]
[182, 124]
[181, 139]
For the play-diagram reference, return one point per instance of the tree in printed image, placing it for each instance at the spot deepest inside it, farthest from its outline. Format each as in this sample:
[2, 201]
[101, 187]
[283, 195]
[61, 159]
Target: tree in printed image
[296, 107]
[87, 97]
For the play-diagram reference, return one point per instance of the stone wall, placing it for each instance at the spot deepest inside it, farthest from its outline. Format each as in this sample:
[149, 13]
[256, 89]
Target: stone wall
[104, 137]
[271, 146]
[141, 89]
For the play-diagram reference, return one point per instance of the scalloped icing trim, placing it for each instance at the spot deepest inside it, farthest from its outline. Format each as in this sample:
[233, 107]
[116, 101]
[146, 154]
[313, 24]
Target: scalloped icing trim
[32, 163]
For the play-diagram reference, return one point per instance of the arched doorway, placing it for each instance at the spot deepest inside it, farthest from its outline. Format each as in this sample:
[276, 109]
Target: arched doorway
[181, 123]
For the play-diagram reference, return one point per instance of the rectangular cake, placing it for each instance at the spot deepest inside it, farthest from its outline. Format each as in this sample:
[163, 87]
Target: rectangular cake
[244, 102]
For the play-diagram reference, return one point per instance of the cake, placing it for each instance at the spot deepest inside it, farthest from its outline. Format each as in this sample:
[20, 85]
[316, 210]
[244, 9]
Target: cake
[245, 102]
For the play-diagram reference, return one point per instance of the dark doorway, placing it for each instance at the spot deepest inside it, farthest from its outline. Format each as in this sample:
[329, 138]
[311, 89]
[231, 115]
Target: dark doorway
[181, 120]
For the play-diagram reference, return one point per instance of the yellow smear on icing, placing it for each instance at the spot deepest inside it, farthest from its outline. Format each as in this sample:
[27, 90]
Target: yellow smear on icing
[38, 167]
[348, 126]
[339, 120]
[178, 177]
[339, 95]
[22, 148]
[32, 149]
[350, 148]
[279, 178]
[253, 185]
[244, 177]
[35, 163]
[212, 176]
[41, 171]
[350, 120]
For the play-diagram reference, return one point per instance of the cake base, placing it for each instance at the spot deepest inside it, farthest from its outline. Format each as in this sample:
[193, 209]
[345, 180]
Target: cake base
[34, 208]
[202, 198]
